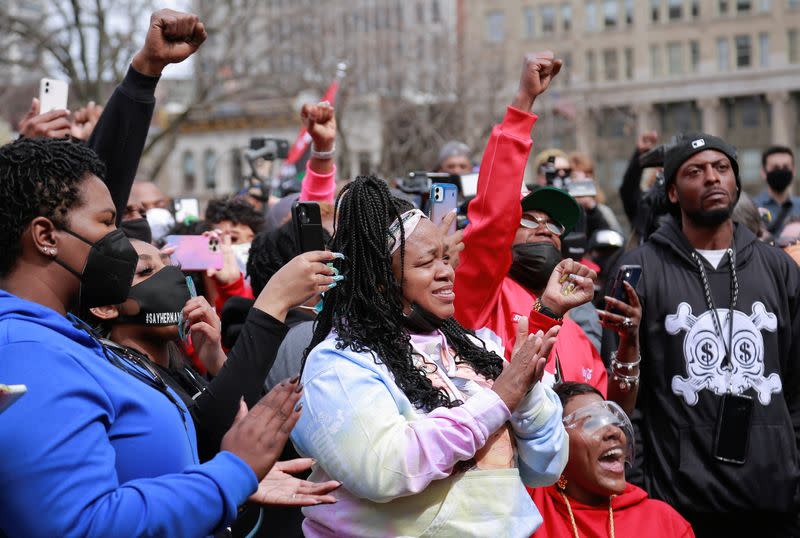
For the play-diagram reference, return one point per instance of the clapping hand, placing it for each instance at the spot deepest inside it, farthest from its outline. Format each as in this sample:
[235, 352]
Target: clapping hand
[279, 487]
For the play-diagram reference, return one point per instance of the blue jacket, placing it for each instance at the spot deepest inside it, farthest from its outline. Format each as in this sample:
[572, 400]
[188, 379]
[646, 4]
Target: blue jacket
[92, 451]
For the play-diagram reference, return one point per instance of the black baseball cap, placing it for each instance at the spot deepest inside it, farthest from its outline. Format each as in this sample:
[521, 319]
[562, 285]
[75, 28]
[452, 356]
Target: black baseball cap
[558, 204]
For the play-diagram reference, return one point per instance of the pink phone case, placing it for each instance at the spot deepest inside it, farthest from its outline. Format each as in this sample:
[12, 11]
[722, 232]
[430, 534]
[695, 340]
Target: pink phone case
[195, 252]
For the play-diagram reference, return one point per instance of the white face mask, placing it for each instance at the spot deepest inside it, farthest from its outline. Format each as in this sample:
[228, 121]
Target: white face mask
[161, 222]
[242, 253]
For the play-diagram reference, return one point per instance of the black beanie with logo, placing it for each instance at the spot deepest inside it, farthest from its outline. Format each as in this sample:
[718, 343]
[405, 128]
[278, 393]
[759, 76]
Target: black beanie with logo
[691, 144]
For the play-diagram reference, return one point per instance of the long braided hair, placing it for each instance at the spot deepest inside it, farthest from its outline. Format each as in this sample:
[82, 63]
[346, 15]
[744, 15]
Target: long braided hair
[366, 309]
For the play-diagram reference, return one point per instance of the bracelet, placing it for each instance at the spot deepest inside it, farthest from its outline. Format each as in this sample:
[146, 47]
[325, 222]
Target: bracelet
[627, 366]
[323, 155]
[539, 307]
[626, 382]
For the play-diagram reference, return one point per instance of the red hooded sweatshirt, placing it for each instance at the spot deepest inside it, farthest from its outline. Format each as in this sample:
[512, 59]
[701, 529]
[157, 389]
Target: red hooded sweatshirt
[635, 514]
[485, 295]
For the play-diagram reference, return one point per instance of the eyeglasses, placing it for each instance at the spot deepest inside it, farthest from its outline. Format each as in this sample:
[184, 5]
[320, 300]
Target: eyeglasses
[533, 223]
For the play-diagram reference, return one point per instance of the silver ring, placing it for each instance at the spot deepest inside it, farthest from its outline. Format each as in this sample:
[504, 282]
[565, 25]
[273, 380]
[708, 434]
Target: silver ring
[627, 323]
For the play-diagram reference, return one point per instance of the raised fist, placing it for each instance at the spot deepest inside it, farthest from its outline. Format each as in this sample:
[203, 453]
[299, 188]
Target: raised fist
[172, 37]
[320, 121]
[646, 141]
[538, 71]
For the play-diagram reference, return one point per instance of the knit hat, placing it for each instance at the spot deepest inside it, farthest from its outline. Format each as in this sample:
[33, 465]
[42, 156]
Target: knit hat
[690, 144]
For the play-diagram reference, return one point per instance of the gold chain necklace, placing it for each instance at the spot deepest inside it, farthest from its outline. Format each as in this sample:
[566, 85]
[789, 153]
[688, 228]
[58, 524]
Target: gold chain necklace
[572, 516]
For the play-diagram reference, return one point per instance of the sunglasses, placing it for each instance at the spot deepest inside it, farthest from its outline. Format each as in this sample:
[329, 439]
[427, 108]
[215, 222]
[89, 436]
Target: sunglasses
[532, 223]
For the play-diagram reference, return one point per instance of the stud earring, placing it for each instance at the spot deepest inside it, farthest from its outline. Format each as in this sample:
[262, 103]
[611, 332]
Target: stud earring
[562, 483]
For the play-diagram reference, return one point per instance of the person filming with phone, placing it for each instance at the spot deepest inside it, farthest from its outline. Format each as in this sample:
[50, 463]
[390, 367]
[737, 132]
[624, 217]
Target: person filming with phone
[720, 420]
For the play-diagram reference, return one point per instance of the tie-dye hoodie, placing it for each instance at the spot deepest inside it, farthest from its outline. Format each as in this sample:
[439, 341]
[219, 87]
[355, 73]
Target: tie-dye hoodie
[396, 463]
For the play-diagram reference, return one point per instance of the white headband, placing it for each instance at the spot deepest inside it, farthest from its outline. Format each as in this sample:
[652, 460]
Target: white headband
[409, 221]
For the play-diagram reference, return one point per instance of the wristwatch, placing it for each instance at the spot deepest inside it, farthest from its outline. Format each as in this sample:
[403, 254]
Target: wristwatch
[539, 307]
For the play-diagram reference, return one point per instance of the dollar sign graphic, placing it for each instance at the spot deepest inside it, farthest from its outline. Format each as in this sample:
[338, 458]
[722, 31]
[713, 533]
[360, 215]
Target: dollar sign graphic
[705, 351]
[744, 351]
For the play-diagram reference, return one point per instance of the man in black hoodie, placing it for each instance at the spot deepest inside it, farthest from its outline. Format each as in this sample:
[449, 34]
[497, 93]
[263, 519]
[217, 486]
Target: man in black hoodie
[698, 268]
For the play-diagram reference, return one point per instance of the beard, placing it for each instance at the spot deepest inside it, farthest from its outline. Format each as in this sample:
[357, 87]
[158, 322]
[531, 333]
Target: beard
[709, 218]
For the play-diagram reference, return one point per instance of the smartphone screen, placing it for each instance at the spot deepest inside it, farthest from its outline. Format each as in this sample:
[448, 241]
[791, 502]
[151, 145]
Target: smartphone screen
[195, 252]
[733, 428]
[444, 199]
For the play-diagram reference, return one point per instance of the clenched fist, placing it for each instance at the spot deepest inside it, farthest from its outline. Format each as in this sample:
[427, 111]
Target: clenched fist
[320, 121]
[172, 37]
[538, 71]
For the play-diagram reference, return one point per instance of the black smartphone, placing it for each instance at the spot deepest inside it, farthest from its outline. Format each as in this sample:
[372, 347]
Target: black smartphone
[307, 226]
[626, 273]
[733, 428]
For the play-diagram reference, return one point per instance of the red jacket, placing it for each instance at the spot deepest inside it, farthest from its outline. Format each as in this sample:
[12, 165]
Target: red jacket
[485, 295]
[635, 514]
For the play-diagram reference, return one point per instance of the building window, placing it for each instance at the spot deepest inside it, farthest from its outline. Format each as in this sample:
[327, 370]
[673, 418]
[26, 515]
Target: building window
[566, 17]
[675, 58]
[695, 8]
[743, 6]
[495, 26]
[722, 6]
[591, 74]
[764, 6]
[793, 4]
[528, 23]
[743, 51]
[763, 49]
[694, 55]
[675, 9]
[610, 13]
[655, 10]
[655, 60]
[723, 54]
[566, 74]
[420, 13]
[751, 110]
[792, 53]
[436, 13]
[591, 16]
[189, 172]
[610, 64]
[210, 169]
[629, 12]
[548, 19]
[629, 63]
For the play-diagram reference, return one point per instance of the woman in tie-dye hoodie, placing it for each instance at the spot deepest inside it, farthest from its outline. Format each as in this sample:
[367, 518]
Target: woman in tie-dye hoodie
[429, 432]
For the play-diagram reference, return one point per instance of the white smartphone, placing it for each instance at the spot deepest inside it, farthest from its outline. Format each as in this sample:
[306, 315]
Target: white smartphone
[10, 394]
[186, 208]
[52, 95]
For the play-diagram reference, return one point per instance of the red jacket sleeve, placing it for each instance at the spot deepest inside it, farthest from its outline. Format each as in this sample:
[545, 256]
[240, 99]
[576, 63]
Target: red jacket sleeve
[239, 288]
[318, 187]
[493, 219]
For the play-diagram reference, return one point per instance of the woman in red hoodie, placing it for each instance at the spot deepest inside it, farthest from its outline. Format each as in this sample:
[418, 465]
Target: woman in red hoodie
[592, 498]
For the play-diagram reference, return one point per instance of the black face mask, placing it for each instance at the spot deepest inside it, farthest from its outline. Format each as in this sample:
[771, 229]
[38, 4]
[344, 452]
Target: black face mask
[137, 229]
[533, 263]
[779, 179]
[107, 275]
[420, 321]
[161, 299]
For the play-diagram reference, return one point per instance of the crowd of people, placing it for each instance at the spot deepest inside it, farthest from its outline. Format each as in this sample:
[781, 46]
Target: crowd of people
[408, 380]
